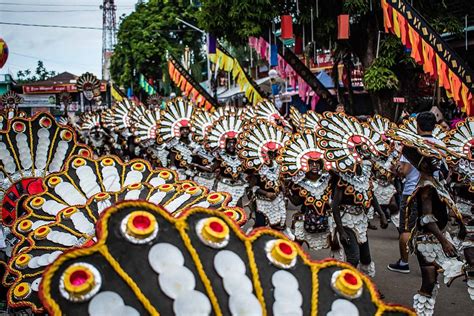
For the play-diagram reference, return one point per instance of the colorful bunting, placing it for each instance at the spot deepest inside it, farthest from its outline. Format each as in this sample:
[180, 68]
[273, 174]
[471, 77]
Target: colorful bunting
[431, 51]
[146, 86]
[229, 64]
[116, 94]
[189, 86]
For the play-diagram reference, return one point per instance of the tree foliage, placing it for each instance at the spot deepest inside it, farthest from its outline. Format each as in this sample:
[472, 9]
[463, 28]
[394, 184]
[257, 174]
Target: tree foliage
[39, 74]
[146, 36]
[235, 20]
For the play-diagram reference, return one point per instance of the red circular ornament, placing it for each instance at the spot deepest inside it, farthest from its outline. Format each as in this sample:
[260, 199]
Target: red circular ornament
[350, 278]
[46, 122]
[217, 227]
[84, 153]
[19, 127]
[141, 222]
[356, 139]
[285, 248]
[78, 277]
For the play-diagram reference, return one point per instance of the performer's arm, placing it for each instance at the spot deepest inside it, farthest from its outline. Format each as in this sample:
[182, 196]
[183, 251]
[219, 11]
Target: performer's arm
[172, 158]
[336, 202]
[378, 209]
[428, 220]
[294, 197]
[257, 190]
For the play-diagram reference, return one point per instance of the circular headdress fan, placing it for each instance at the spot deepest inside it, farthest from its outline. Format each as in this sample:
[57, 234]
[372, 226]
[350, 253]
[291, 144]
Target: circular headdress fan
[461, 141]
[200, 122]
[423, 145]
[340, 135]
[298, 150]
[89, 121]
[145, 128]
[121, 111]
[107, 119]
[257, 139]
[88, 84]
[380, 124]
[200, 264]
[410, 124]
[10, 99]
[228, 126]
[266, 110]
[137, 113]
[74, 226]
[30, 149]
[296, 118]
[311, 120]
[178, 114]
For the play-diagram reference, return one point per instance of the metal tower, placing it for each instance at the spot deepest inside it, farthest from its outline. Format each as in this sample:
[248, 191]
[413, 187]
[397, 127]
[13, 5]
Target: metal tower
[109, 31]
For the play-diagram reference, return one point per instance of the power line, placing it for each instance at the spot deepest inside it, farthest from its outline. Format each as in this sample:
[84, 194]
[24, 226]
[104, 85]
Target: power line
[88, 27]
[55, 5]
[58, 62]
[54, 11]
[47, 11]
[54, 26]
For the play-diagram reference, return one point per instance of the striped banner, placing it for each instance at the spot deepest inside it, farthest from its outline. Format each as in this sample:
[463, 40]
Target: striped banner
[146, 86]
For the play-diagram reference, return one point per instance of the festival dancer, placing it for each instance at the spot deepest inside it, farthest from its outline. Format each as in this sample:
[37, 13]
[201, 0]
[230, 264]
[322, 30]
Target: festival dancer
[308, 186]
[222, 140]
[385, 190]
[424, 125]
[175, 132]
[204, 161]
[258, 146]
[429, 239]
[461, 141]
[351, 146]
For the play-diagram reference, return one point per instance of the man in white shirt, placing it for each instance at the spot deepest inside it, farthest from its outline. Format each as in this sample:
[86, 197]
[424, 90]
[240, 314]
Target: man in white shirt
[426, 122]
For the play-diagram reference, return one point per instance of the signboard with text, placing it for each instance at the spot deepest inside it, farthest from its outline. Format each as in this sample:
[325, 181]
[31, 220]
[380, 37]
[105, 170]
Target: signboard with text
[40, 89]
[35, 101]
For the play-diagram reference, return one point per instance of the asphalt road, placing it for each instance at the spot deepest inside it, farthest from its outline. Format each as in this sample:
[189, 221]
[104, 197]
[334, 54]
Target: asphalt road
[399, 288]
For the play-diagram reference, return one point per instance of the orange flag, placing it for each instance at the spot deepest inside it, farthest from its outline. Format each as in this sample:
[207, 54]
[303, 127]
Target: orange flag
[403, 30]
[386, 16]
[415, 45]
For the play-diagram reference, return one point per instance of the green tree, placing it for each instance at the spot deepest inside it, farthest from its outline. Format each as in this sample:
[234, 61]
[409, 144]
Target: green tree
[389, 73]
[40, 74]
[146, 36]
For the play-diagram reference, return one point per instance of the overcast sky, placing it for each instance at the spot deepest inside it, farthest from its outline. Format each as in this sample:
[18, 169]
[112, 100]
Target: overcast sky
[72, 50]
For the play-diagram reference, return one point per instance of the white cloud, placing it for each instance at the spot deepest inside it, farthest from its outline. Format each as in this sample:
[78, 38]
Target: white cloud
[71, 50]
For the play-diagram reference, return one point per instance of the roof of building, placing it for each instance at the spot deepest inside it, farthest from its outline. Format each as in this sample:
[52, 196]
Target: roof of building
[62, 78]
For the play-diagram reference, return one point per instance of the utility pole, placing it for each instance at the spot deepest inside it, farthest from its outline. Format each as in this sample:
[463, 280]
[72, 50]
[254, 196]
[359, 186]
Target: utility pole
[109, 32]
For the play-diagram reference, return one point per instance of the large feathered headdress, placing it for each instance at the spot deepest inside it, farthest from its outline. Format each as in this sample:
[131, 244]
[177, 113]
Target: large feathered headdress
[340, 135]
[226, 127]
[301, 148]
[260, 137]
[177, 114]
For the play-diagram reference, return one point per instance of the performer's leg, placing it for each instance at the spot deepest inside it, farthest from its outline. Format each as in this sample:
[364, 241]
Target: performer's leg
[407, 222]
[260, 220]
[366, 264]
[424, 301]
[351, 249]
